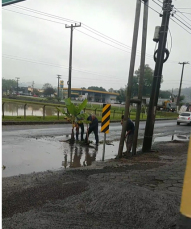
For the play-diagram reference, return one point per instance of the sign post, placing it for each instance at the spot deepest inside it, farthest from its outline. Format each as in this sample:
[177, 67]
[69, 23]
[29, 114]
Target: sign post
[105, 121]
[9, 2]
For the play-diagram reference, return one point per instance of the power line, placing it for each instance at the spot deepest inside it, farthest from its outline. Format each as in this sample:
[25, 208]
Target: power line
[44, 13]
[108, 38]
[182, 23]
[183, 8]
[170, 18]
[52, 65]
[149, 7]
[89, 28]
[33, 16]
[65, 19]
[182, 14]
[174, 16]
[182, 18]
[180, 26]
[157, 3]
[108, 44]
[78, 30]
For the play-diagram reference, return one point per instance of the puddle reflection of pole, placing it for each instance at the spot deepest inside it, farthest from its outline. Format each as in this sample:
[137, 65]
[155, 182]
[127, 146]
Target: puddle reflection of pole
[77, 157]
[103, 155]
[71, 154]
[65, 161]
[88, 158]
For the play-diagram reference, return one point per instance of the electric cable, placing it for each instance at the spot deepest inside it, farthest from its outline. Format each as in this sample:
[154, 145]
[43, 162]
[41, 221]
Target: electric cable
[88, 28]
[149, 55]
[52, 65]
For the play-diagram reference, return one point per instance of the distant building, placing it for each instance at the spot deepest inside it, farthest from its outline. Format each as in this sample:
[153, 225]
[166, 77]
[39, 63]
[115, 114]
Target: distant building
[91, 95]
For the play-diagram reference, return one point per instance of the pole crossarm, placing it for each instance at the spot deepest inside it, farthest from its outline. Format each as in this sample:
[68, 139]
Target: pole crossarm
[72, 26]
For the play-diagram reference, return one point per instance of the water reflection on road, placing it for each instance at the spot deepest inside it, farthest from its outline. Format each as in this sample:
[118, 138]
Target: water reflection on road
[30, 150]
[79, 156]
[36, 154]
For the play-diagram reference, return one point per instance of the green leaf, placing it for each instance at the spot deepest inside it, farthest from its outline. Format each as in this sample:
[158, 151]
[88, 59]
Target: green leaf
[68, 102]
[83, 104]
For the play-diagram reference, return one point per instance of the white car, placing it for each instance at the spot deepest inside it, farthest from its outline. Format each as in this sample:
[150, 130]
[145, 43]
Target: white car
[184, 117]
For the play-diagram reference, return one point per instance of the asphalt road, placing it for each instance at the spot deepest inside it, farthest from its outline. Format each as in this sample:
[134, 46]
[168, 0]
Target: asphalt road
[163, 126]
[35, 148]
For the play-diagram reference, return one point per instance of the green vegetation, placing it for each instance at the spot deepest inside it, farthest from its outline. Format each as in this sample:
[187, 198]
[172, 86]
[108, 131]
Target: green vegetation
[74, 115]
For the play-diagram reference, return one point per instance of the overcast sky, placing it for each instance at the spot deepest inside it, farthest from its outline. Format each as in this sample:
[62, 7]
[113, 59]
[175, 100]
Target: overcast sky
[37, 50]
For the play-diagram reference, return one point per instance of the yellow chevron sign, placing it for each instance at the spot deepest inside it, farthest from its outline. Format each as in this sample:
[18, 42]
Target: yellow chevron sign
[185, 208]
[105, 121]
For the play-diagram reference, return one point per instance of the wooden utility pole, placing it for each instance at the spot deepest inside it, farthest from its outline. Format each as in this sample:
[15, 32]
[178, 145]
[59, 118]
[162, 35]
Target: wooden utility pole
[167, 8]
[17, 84]
[179, 92]
[142, 70]
[70, 58]
[58, 76]
[130, 80]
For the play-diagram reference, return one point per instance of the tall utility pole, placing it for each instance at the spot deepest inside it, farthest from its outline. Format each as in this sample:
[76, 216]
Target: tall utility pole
[70, 58]
[17, 84]
[130, 80]
[167, 8]
[142, 70]
[32, 89]
[179, 92]
[58, 76]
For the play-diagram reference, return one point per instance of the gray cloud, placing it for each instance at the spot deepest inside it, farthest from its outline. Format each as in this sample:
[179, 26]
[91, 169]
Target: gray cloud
[47, 42]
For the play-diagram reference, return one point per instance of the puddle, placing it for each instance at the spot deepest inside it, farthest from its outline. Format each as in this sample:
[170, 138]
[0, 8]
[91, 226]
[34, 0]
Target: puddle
[49, 153]
[37, 154]
[179, 137]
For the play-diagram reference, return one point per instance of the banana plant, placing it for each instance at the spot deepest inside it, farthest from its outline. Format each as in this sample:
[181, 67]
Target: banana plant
[74, 115]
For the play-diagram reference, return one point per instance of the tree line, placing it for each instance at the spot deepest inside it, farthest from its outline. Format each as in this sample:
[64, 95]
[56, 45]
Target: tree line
[48, 89]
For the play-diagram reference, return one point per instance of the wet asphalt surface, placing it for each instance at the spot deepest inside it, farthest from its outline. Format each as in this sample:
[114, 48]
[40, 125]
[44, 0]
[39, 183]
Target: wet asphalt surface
[143, 192]
[35, 148]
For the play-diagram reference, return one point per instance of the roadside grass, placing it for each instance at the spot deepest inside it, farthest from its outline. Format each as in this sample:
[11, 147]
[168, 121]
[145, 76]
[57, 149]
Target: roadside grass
[54, 118]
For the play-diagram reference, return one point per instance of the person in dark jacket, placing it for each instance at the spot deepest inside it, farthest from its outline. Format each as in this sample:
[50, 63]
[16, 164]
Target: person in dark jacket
[80, 124]
[129, 135]
[93, 126]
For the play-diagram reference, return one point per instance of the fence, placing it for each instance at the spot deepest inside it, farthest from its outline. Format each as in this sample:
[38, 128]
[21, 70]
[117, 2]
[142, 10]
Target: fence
[116, 112]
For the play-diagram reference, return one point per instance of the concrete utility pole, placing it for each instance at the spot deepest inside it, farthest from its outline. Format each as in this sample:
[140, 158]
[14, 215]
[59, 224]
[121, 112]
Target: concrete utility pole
[17, 84]
[130, 80]
[142, 70]
[179, 92]
[70, 58]
[167, 8]
[58, 76]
